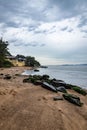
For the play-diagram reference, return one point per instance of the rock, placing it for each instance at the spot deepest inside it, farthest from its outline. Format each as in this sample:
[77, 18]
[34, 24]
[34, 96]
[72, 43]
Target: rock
[38, 82]
[1, 74]
[61, 89]
[37, 77]
[17, 74]
[36, 70]
[58, 83]
[45, 77]
[58, 98]
[73, 99]
[68, 86]
[49, 87]
[7, 76]
[26, 80]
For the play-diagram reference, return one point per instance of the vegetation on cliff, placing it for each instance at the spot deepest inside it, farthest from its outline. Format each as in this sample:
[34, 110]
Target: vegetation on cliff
[29, 61]
[3, 53]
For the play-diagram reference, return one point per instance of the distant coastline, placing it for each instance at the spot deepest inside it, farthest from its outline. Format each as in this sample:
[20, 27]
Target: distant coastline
[74, 65]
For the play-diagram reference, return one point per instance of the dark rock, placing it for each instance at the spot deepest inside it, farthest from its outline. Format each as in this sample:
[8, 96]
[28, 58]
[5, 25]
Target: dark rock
[58, 98]
[58, 83]
[68, 86]
[1, 74]
[45, 77]
[26, 80]
[38, 82]
[49, 87]
[61, 89]
[37, 77]
[17, 74]
[73, 99]
[36, 70]
[7, 76]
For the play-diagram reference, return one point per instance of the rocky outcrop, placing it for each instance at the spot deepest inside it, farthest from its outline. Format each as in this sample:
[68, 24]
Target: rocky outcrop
[57, 85]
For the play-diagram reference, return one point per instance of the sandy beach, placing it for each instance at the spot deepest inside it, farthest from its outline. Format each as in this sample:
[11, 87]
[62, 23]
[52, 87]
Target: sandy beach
[24, 106]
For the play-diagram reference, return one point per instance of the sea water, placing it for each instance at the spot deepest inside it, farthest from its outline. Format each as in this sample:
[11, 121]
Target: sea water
[72, 74]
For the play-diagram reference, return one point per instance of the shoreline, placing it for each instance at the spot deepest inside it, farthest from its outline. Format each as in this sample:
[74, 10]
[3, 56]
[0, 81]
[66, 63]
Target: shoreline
[33, 106]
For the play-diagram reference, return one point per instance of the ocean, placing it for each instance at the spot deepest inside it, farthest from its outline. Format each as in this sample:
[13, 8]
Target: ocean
[72, 74]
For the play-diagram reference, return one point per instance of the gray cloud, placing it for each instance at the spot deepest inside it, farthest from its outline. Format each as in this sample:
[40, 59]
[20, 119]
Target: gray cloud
[70, 7]
[70, 30]
[34, 44]
[18, 8]
[83, 20]
[64, 29]
[84, 36]
[33, 27]
[31, 44]
[24, 23]
[17, 44]
[41, 31]
[85, 31]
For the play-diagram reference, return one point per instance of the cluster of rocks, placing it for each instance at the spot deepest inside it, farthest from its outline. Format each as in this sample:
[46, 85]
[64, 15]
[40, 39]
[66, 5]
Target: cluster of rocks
[8, 76]
[5, 76]
[55, 86]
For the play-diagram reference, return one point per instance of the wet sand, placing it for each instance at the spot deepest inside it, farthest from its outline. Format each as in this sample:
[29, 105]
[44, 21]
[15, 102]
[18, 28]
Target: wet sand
[24, 106]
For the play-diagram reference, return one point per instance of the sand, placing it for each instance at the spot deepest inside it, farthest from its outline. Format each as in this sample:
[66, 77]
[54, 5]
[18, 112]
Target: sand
[24, 106]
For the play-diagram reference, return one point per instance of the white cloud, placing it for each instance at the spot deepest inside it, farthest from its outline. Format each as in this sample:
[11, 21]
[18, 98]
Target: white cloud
[53, 31]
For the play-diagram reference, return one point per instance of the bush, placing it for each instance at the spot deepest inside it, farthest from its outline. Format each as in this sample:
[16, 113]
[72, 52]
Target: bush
[7, 64]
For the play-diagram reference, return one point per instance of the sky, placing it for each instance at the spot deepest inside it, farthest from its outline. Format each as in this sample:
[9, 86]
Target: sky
[53, 31]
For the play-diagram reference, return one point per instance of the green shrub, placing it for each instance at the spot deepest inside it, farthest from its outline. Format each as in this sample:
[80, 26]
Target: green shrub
[7, 64]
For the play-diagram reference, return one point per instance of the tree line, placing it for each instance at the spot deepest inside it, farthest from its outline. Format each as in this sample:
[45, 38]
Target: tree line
[4, 52]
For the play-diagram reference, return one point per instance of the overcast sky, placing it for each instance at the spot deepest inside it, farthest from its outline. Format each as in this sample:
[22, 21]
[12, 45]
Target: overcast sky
[53, 31]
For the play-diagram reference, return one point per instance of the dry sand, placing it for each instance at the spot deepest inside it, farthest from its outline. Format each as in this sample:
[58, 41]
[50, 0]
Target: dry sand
[24, 106]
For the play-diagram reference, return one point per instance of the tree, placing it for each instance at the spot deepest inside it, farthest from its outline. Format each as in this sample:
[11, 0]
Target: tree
[30, 61]
[20, 57]
[3, 53]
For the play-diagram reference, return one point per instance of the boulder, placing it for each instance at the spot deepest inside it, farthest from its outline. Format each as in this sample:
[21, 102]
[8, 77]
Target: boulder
[61, 89]
[45, 77]
[7, 76]
[1, 74]
[49, 87]
[73, 99]
[58, 98]
[38, 82]
[26, 80]
[58, 83]
[36, 70]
